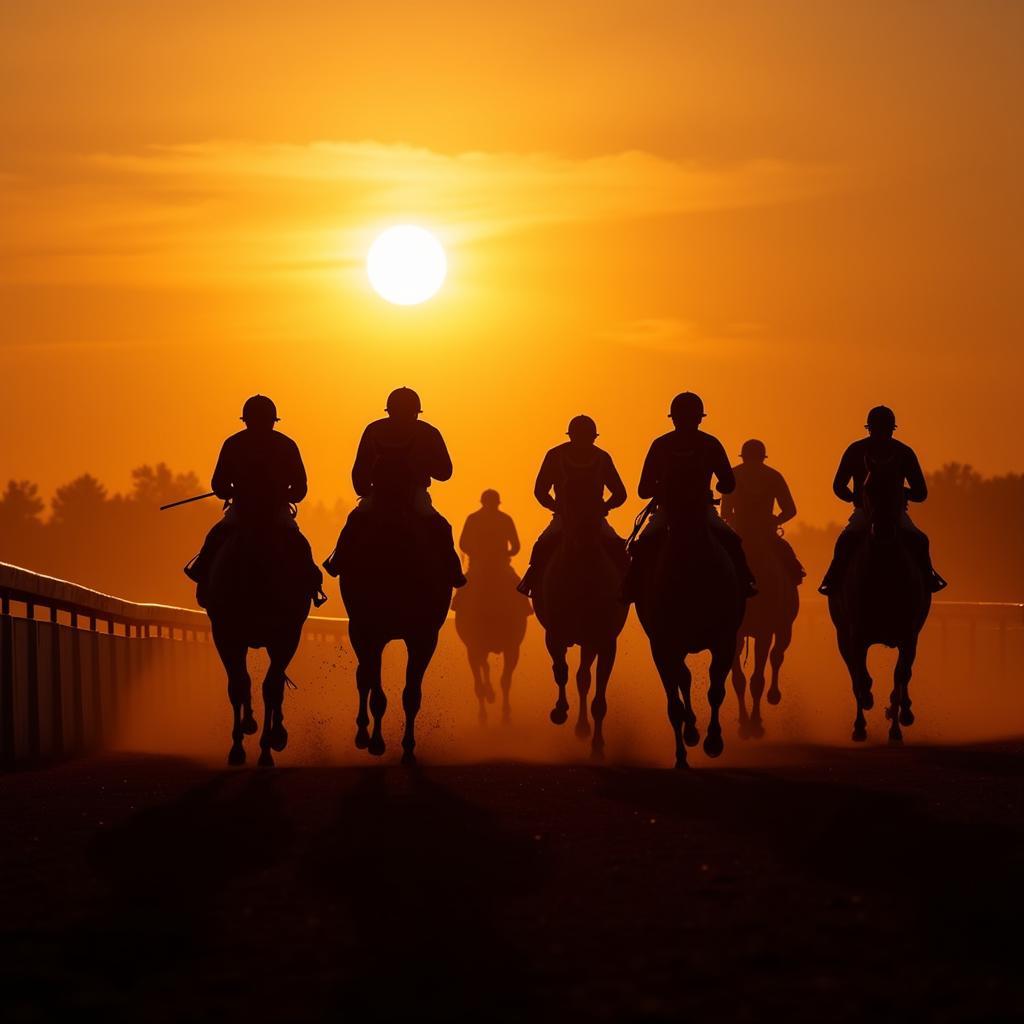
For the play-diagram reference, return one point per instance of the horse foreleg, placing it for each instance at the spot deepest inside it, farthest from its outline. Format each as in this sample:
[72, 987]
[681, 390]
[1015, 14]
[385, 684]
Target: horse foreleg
[478, 683]
[274, 735]
[739, 684]
[587, 656]
[233, 655]
[560, 670]
[605, 663]
[856, 658]
[509, 660]
[762, 645]
[667, 663]
[721, 659]
[691, 735]
[420, 653]
[783, 638]
[899, 712]
[371, 693]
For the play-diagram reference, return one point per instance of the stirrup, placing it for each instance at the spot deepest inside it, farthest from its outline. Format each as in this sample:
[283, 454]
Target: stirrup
[936, 583]
[319, 598]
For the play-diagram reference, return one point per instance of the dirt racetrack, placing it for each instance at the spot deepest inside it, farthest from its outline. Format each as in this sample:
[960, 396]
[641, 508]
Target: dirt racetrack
[824, 885]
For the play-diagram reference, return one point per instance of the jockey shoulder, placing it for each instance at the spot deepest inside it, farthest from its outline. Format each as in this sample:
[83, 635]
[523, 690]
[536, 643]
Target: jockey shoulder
[689, 458]
[260, 468]
[855, 461]
[413, 451]
[579, 475]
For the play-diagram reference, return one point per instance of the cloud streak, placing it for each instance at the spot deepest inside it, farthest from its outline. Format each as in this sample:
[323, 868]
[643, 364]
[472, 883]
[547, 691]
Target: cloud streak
[220, 209]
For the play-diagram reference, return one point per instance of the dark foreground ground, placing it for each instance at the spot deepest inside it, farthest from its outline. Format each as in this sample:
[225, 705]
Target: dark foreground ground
[830, 885]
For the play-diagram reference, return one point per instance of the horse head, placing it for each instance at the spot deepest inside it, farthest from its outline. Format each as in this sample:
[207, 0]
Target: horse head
[883, 496]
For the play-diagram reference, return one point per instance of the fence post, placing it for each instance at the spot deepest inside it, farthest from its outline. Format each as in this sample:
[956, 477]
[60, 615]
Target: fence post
[33, 682]
[56, 684]
[6, 682]
[77, 697]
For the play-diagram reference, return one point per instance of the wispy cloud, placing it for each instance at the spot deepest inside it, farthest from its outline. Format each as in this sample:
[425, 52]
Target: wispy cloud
[220, 208]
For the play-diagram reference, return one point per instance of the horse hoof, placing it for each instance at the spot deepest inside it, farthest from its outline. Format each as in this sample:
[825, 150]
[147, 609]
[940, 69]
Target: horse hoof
[559, 715]
[713, 745]
[743, 730]
[756, 731]
[597, 752]
[362, 738]
[773, 696]
[489, 695]
[266, 758]
[279, 738]
[681, 762]
[895, 736]
[582, 730]
[236, 755]
[867, 700]
[408, 757]
[249, 724]
[376, 746]
[691, 735]
[860, 733]
[906, 716]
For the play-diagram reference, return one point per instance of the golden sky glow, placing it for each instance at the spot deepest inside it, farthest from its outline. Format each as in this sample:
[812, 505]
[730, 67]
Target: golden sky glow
[796, 209]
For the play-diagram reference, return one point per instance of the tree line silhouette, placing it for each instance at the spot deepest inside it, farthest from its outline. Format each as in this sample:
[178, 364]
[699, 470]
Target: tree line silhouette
[121, 544]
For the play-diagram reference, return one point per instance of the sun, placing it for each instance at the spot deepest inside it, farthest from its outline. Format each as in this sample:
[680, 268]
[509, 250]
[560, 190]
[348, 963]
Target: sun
[406, 265]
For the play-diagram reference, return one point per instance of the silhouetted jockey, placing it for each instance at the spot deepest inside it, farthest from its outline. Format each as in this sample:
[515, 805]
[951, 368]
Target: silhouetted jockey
[677, 472]
[489, 535]
[396, 461]
[578, 473]
[750, 509]
[260, 477]
[879, 446]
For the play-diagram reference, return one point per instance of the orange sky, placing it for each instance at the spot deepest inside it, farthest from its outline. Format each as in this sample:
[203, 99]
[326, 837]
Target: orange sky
[796, 209]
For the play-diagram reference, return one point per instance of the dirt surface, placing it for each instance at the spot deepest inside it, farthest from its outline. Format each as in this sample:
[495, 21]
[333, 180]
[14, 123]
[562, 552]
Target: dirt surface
[825, 885]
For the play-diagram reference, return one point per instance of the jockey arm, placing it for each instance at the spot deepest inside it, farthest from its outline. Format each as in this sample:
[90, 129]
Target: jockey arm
[297, 482]
[787, 506]
[650, 475]
[844, 475]
[617, 493]
[545, 484]
[438, 461]
[513, 538]
[362, 468]
[917, 488]
[725, 478]
[221, 482]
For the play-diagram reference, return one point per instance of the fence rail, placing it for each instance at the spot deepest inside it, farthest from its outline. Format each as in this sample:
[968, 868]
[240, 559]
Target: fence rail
[70, 658]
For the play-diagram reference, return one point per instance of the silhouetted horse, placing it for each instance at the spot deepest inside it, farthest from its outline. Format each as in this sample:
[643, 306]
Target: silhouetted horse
[768, 621]
[258, 596]
[883, 598]
[490, 618]
[690, 600]
[579, 601]
[395, 583]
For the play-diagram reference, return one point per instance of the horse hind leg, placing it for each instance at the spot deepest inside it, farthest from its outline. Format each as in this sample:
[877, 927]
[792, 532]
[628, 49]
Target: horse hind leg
[583, 678]
[478, 685]
[560, 670]
[899, 711]
[274, 735]
[599, 708]
[857, 663]
[233, 655]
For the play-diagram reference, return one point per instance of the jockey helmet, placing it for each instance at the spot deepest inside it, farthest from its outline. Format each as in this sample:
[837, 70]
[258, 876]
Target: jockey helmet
[404, 402]
[753, 449]
[582, 427]
[687, 406]
[259, 409]
[881, 418]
